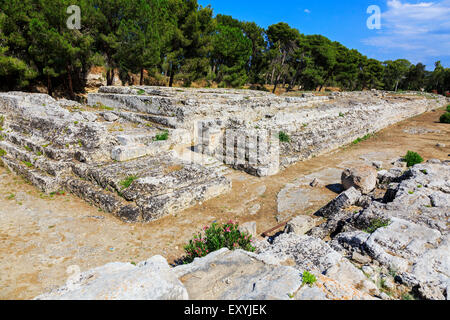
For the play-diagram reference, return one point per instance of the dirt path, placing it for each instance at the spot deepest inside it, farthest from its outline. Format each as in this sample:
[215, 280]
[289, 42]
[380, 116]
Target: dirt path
[41, 236]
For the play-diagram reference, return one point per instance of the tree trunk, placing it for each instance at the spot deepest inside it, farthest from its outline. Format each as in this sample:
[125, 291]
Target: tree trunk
[293, 81]
[49, 86]
[141, 80]
[171, 76]
[69, 78]
[110, 77]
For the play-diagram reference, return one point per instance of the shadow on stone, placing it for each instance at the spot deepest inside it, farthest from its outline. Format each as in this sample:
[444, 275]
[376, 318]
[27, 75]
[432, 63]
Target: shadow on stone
[336, 188]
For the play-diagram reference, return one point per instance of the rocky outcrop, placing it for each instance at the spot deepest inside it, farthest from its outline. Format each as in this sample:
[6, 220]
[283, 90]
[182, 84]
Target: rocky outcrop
[363, 178]
[406, 233]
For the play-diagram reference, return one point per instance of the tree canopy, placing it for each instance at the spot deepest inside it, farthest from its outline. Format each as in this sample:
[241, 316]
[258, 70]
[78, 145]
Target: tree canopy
[183, 42]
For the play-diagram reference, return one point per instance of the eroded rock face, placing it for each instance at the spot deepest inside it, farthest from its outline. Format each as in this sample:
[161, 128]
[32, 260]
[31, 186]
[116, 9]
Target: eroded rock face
[410, 234]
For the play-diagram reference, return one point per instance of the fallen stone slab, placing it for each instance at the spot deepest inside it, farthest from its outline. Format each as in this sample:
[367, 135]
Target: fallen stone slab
[149, 280]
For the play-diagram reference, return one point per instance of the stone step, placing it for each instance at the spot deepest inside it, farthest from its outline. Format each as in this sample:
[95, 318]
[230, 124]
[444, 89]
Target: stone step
[38, 160]
[38, 146]
[108, 201]
[38, 178]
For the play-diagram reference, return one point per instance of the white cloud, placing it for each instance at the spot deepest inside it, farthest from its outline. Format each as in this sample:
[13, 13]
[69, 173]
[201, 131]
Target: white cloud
[420, 31]
[307, 11]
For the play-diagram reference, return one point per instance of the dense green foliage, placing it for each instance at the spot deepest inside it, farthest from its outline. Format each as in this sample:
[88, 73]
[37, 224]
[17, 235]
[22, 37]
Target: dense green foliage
[413, 158]
[180, 41]
[215, 238]
[445, 118]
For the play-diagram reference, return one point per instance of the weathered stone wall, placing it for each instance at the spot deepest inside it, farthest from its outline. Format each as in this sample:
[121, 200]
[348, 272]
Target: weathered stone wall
[314, 124]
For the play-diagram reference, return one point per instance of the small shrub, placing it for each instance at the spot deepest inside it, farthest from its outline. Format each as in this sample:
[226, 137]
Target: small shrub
[215, 238]
[413, 158]
[284, 137]
[341, 115]
[308, 278]
[27, 148]
[140, 92]
[377, 224]
[162, 136]
[126, 183]
[445, 118]
[448, 108]
[2, 153]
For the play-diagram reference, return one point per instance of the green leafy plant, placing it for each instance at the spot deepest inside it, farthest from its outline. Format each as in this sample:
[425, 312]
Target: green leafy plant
[27, 148]
[28, 164]
[308, 278]
[162, 136]
[445, 118]
[283, 136]
[126, 183]
[140, 92]
[2, 153]
[366, 137]
[377, 224]
[216, 237]
[448, 108]
[413, 158]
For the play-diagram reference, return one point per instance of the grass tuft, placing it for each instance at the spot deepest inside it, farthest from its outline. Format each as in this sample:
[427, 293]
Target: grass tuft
[126, 183]
[377, 224]
[162, 136]
[284, 137]
[308, 278]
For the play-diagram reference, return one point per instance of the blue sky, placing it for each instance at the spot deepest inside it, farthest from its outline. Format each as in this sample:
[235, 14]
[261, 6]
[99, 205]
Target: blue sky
[416, 30]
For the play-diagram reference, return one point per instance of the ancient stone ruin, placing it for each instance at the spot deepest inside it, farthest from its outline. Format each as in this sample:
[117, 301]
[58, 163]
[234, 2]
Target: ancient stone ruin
[364, 260]
[144, 152]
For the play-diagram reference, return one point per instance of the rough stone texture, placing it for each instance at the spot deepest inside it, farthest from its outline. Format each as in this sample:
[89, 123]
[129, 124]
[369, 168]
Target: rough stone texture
[238, 275]
[149, 280]
[344, 200]
[300, 225]
[248, 227]
[363, 178]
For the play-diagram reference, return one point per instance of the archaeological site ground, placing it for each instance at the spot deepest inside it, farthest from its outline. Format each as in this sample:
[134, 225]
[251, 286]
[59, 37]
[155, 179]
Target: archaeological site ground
[320, 182]
[213, 158]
